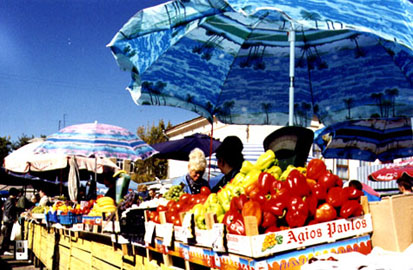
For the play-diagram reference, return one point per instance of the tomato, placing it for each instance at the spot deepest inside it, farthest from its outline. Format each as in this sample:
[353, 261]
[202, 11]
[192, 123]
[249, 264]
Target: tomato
[315, 168]
[205, 191]
[161, 208]
[192, 199]
[177, 222]
[151, 215]
[200, 198]
[170, 204]
[157, 219]
[178, 206]
[185, 197]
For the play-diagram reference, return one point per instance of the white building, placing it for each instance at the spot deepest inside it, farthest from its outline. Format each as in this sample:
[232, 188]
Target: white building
[255, 135]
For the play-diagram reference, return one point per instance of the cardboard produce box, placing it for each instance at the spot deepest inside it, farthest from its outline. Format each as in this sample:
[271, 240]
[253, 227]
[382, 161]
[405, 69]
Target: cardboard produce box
[270, 243]
[392, 219]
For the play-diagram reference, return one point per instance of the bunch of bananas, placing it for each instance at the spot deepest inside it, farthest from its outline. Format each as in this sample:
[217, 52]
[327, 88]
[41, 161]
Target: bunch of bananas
[103, 205]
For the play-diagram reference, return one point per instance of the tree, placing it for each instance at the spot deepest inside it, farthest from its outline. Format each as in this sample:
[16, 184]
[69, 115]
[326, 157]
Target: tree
[5, 147]
[147, 170]
[23, 140]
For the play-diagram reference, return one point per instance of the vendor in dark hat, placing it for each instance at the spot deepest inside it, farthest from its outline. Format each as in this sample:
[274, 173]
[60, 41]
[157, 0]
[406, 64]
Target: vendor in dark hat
[230, 158]
[405, 184]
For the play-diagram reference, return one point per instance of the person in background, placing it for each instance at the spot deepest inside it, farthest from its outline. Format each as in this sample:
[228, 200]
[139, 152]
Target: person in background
[44, 199]
[110, 183]
[193, 181]
[35, 199]
[405, 184]
[143, 192]
[23, 203]
[10, 213]
[151, 194]
[358, 185]
[230, 158]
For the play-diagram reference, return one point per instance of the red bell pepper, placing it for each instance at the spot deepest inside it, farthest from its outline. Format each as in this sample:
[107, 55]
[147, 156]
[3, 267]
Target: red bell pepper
[319, 192]
[312, 203]
[325, 212]
[351, 208]
[262, 199]
[315, 168]
[297, 183]
[297, 212]
[230, 216]
[268, 219]
[328, 180]
[238, 202]
[277, 186]
[277, 206]
[353, 193]
[265, 181]
[237, 226]
[250, 188]
[252, 208]
[336, 196]
[272, 228]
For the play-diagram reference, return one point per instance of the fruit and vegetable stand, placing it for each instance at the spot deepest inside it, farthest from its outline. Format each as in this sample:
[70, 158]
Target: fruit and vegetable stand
[62, 248]
[264, 218]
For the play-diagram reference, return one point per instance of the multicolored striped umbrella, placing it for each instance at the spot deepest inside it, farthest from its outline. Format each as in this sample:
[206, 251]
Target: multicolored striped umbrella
[370, 139]
[97, 140]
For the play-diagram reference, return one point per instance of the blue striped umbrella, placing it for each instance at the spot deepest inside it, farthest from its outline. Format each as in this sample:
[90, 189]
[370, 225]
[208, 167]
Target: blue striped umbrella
[368, 140]
[97, 140]
[272, 61]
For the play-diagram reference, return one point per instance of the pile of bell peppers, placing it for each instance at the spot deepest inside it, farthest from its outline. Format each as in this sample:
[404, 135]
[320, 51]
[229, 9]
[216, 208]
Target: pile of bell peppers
[296, 200]
[277, 199]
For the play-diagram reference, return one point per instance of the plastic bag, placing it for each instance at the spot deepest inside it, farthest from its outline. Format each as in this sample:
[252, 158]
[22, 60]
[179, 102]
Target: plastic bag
[16, 232]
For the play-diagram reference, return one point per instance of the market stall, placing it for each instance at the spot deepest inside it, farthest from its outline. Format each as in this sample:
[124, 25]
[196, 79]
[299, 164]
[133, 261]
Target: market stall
[224, 230]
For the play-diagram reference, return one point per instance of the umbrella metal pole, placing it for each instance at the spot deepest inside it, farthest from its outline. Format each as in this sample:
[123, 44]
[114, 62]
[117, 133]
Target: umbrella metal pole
[96, 174]
[291, 39]
[210, 148]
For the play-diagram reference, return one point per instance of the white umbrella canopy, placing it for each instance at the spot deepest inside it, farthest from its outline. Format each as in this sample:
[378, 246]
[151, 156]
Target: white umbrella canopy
[24, 160]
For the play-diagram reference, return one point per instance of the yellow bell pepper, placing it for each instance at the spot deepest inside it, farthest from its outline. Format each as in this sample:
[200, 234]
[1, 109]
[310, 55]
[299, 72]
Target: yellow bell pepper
[302, 170]
[224, 198]
[238, 179]
[265, 160]
[246, 167]
[251, 178]
[287, 171]
[274, 171]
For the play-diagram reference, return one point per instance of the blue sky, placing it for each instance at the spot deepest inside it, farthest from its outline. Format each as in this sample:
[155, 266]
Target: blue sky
[55, 67]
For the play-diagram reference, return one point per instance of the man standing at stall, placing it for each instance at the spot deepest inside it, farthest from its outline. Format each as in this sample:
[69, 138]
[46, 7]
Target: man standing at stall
[10, 212]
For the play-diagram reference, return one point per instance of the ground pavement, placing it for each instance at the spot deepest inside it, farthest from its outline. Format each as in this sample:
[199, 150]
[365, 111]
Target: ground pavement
[9, 262]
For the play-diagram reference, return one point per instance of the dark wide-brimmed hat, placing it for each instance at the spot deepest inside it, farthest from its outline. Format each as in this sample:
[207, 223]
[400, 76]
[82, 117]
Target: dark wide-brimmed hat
[291, 145]
[230, 145]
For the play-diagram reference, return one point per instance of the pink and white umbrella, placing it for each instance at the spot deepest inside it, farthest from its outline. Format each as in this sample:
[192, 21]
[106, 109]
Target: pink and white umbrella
[393, 171]
[24, 160]
[97, 140]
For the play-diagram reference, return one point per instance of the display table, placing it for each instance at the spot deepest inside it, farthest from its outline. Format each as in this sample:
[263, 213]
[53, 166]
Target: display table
[69, 249]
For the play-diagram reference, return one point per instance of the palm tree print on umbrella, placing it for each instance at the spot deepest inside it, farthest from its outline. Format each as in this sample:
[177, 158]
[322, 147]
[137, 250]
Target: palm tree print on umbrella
[385, 102]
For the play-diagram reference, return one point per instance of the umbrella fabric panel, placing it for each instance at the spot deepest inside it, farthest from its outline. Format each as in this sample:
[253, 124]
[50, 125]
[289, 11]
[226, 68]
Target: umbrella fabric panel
[236, 67]
[363, 173]
[181, 148]
[383, 139]
[97, 140]
[393, 171]
[390, 19]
